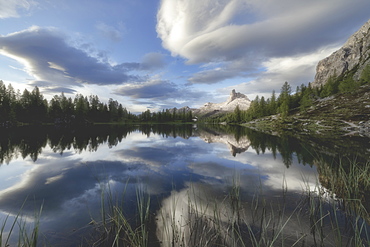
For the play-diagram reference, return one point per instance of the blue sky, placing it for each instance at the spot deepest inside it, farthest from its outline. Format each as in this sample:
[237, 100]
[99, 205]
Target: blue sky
[151, 54]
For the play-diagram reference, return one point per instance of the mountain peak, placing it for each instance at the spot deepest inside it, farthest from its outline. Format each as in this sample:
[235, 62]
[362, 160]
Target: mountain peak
[234, 95]
[235, 99]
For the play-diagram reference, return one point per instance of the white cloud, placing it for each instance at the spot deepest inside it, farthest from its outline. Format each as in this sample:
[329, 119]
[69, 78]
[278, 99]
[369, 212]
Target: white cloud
[244, 36]
[53, 63]
[293, 69]
[221, 30]
[157, 94]
[10, 8]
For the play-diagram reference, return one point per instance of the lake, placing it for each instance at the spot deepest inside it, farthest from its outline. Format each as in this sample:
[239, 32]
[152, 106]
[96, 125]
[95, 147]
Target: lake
[182, 185]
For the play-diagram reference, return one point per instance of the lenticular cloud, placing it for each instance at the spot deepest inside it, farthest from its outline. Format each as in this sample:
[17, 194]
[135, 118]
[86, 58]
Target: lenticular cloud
[228, 30]
[185, 26]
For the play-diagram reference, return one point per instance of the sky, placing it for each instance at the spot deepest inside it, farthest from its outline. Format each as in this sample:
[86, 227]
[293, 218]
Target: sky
[159, 54]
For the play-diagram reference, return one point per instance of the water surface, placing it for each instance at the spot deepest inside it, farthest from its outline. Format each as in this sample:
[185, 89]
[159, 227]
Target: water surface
[68, 172]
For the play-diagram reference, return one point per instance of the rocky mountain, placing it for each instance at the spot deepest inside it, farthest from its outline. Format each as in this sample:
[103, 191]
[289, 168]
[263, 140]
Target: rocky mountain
[185, 109]
[352, 57]
[339, 115]
[235, 99]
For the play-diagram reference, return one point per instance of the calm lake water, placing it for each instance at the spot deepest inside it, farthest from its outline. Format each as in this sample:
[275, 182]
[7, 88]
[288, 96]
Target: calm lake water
[189, 173]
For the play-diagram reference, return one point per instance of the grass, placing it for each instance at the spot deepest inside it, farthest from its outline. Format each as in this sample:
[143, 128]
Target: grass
[116, 228]
[191, 218]
[350, 181]
[26, 237]
[331, 216]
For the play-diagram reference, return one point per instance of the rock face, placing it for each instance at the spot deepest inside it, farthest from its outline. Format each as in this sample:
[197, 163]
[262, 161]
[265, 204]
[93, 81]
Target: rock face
[354, 55]
[235, 99]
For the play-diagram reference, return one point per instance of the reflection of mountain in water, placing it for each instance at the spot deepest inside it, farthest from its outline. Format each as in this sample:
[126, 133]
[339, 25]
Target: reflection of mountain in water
[235, 145]
[30, 141]
[66, 177]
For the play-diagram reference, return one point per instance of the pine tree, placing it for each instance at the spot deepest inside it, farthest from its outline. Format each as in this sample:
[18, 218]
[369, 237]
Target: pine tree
[284, 99]
[365, 74]
[272, 107]
[237, 114]
[306, 100]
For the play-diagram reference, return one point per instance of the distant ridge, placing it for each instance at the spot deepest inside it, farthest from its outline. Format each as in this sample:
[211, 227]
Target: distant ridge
[235, 99]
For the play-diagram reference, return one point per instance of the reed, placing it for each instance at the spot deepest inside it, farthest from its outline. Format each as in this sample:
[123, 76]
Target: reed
[116, 227]
[317, 219]
[349, 182]
[28, 236]
[192, 217]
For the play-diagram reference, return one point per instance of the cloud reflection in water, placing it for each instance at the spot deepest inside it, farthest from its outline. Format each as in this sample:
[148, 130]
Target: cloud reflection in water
[70, 184]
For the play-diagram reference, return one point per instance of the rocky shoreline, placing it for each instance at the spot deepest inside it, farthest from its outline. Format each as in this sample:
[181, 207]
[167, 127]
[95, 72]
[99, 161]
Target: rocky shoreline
[346, 114]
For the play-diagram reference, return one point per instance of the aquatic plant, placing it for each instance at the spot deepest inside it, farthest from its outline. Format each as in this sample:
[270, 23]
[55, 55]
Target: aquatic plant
[28, 236]
[193, 217]
[116, 227]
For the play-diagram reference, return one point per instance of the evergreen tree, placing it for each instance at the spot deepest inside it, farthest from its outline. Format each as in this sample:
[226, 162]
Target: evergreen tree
[81, 107]
[285, 93]
[94, 103]
[237, 114]
[4, 103]
[365, 74]
[55, 109]
[262, 107]
[348, 84]
[39, 106]
[272, 106]
[330, 88]
[306, 100]
[284, 99]
[113, 109]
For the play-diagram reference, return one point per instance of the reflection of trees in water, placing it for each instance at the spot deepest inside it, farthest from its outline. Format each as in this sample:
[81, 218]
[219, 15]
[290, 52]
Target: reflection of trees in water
[306, 149]
[30, 140]
[21, 142]
[167, 130]
[342, 163]
[287, 146]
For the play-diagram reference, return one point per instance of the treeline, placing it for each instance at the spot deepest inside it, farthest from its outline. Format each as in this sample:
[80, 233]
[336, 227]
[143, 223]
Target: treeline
[168, 115]
[32, 107]
[301, 100]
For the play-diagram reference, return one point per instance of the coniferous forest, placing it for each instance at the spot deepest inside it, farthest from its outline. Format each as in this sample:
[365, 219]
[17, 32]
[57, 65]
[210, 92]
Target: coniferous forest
[302, 99]
[31, 107]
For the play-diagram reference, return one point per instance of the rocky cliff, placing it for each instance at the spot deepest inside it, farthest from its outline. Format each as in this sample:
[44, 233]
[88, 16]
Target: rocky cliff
[235, 99]
[352, 57]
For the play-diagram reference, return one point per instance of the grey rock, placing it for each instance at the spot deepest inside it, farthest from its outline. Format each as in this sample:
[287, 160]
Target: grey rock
[354, 53]
[235, 99]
